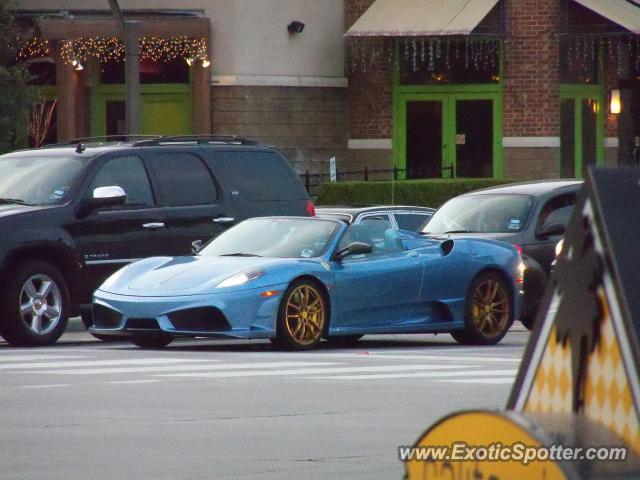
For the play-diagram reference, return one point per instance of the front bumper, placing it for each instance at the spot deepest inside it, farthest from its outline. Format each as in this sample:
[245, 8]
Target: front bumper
[243, 314]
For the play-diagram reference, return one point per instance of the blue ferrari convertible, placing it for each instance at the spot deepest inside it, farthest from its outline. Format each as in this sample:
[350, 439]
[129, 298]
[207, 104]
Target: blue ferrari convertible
[298, 280]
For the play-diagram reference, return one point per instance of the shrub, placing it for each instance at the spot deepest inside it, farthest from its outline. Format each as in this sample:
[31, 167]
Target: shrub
[431, 192]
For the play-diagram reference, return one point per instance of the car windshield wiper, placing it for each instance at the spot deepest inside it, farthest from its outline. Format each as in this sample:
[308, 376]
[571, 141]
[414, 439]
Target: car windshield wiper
[239, 254]
[13, 200]
[459, 231]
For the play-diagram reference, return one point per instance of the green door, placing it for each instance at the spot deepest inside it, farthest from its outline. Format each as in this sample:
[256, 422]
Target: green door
[581, 129]
[165, 110]
[448, 135]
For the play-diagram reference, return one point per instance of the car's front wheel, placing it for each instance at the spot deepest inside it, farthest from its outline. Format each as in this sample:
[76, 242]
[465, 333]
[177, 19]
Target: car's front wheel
[302, 316]
[34, 308]
[153, 341]
[489, 311]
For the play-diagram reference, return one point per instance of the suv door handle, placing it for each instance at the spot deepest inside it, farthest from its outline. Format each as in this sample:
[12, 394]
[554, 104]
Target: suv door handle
[153, 226]
[224, 220]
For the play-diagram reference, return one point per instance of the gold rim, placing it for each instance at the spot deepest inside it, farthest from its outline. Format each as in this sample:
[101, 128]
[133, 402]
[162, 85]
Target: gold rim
[305, 315]
[490, 308]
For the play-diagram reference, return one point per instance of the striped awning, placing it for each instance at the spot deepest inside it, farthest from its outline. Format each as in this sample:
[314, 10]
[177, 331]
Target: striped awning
[405, 18]
[625, 13]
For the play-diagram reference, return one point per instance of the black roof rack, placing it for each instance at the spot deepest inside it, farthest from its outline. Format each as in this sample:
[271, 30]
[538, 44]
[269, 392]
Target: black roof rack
[102, 140]
[198, 139]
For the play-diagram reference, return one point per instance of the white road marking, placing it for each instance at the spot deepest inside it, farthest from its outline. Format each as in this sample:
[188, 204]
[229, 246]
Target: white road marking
[426, 357]
[31, 358]
[97, 363]
[316, 371]
[488, 381]
[125, 382]
[468, 373]
[46, 386]
[178, 368]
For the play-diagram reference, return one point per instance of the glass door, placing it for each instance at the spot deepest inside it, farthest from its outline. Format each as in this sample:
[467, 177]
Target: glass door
[581, 130]
[474, 138]
[448, 135]
[425, 144]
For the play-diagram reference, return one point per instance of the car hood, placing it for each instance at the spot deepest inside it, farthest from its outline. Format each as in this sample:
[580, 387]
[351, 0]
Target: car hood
[167, 276]
[11, 209]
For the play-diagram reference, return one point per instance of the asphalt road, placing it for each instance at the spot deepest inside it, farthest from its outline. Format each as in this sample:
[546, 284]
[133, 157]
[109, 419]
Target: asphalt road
[230, 410]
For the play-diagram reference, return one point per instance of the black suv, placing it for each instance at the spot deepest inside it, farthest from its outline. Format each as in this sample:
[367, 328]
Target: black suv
[72, 215]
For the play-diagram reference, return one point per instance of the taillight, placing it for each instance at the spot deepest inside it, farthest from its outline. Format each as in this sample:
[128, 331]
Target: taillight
[311, 208]
[519, 248]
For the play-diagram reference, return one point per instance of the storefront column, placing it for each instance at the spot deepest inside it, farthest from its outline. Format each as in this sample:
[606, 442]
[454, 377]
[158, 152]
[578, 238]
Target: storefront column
[67, 90]
[201, 99]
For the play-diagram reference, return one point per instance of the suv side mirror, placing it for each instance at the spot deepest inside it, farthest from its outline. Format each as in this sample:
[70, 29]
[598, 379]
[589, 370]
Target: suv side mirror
[551, 229]
[196, 246]
[107, 197]
[355, 248]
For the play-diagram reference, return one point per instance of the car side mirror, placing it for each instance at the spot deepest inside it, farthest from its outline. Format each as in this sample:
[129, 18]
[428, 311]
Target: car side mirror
[107, 197]
[551, 230]
[355, 248]
[196, 246]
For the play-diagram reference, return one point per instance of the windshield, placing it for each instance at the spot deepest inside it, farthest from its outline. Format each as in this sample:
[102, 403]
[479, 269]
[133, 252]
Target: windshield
[37, 180]
[481, 214]
[274, 237]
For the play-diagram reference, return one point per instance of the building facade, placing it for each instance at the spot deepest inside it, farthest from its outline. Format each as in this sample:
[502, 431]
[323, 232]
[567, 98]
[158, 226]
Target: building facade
[248, 74]
[427, 88]
[493, 88]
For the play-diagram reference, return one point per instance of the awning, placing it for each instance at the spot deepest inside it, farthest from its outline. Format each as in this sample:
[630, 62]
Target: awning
[405, 18]
[622, 12]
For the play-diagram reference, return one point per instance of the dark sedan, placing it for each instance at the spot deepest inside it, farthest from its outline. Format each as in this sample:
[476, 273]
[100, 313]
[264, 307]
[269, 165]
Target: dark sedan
[399, 217]
[531, 215]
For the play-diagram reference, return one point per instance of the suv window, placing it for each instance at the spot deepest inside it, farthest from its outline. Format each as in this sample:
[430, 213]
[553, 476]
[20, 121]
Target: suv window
[411, 221]
[128, 173]
[260, 175]
[184, 180]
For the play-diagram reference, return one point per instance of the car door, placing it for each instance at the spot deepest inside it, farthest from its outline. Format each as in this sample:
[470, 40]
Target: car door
[377, 290]
[196, 207]
[110, 238]
[557, 209]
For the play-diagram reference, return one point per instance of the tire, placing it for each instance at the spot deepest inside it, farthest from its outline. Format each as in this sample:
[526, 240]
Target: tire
[488, 312]
[528, 321]
[34, 310]
[302, 316]
[87, 320]
[344, 340]
[153, 341]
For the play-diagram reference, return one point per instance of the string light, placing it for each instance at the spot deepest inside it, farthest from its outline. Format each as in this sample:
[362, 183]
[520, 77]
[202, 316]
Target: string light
[111, 49]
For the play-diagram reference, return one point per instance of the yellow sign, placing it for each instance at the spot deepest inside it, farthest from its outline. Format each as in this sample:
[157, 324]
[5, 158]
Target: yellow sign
[481, 445]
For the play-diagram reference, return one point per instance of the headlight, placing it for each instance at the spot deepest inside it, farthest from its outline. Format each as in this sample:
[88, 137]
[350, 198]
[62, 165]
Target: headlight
[559, 246]
[240, 278]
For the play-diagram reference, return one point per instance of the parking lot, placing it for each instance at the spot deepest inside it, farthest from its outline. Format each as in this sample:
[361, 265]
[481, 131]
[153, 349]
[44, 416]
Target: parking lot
[236, 409]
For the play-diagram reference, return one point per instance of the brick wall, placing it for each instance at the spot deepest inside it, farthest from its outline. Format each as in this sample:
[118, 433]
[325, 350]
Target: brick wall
[370, 101]
[308, 124]
[530, 99]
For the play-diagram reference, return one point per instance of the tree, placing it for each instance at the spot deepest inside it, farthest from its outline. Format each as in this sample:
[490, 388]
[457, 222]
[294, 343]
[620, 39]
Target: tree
[17, 97]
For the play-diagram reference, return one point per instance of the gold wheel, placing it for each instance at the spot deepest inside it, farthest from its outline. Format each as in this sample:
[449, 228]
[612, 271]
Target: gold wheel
[305, 315]
[490, 308]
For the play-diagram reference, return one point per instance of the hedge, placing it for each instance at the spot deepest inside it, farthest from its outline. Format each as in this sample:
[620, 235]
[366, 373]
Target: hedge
[428, 193]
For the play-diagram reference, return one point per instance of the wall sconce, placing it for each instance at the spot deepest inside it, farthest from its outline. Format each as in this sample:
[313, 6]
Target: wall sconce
[77, 65]
[295, 27]
[615, 106]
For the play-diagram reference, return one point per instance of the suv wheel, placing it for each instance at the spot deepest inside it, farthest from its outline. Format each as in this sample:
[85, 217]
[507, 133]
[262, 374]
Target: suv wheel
[35, 309]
